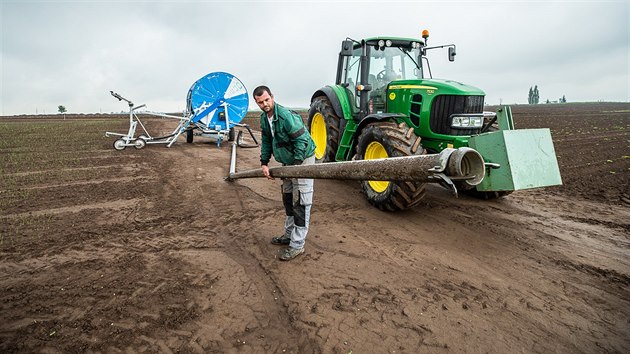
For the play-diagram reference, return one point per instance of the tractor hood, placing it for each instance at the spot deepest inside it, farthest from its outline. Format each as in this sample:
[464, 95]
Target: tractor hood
[437, 87]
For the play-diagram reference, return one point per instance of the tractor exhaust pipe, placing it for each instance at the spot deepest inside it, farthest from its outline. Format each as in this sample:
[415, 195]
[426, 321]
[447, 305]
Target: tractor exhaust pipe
[463, 167]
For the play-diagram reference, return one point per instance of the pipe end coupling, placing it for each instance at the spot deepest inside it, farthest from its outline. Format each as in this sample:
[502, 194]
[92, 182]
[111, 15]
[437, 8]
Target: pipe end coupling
[467, 163]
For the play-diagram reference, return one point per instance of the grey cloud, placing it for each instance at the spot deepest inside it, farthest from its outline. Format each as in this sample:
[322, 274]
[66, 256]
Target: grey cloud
[73, 53]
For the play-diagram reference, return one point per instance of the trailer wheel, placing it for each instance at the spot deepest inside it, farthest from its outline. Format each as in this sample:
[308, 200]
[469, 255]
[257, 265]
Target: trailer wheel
[323, 124]
[388, 139]
[119, 144]
[189, 136]
[231, 134]
[139, 144]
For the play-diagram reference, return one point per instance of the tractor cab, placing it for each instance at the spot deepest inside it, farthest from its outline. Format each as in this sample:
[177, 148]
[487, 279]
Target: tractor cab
[366, 69]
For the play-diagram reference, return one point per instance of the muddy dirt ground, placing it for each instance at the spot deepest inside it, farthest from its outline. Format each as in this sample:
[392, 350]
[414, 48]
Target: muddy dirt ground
[152, 251]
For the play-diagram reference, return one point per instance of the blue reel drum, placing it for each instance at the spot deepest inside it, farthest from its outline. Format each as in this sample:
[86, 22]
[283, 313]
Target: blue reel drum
[215, 96]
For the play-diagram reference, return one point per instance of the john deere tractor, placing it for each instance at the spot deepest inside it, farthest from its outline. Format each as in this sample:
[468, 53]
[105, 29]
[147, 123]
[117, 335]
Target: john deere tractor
[385, 103]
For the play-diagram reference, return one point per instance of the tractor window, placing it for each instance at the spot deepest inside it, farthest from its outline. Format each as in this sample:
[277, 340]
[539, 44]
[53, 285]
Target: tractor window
[409, 66]
[352, 75]
[392, 63]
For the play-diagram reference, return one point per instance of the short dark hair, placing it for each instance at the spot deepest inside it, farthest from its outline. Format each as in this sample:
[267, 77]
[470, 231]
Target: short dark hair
[258, 91]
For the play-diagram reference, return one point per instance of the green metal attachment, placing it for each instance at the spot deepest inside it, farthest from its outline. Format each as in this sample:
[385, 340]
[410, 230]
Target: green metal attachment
[526, 157]
[504, 118]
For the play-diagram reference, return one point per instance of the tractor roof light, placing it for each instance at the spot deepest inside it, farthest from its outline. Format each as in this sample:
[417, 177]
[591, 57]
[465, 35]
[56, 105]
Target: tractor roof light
[425, 36]
[388, 43]
[381, 43]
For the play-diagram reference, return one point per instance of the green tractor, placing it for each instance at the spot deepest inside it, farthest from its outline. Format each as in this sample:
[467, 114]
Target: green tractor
[385, 103]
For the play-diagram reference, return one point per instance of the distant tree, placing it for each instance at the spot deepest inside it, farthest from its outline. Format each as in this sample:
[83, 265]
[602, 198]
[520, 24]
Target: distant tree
[563, 99]
[547, 101]
[62, 109]
[534, 95]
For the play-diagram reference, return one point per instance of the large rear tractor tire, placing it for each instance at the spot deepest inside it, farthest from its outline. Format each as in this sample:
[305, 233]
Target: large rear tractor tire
[323, 124]
[388, 139]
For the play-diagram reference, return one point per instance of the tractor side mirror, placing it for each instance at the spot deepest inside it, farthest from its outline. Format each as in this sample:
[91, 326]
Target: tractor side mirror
[451, 53]
[346, 48]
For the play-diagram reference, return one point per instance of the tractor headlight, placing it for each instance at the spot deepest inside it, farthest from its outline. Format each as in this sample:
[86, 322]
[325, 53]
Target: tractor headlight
[381, 43]
[466, 121]
[388, 43]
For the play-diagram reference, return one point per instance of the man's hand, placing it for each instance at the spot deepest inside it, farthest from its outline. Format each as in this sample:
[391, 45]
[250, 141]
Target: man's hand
[265, 170]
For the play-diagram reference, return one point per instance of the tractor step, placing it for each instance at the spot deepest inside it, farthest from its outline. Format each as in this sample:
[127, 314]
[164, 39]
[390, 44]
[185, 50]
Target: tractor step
[345, 144]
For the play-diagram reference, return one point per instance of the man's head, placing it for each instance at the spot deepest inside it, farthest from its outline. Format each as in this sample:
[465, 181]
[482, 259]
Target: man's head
[264, 98]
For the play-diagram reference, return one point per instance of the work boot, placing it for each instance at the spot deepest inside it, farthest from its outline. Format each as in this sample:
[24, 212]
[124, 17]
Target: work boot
[290, 253]
[280, 240]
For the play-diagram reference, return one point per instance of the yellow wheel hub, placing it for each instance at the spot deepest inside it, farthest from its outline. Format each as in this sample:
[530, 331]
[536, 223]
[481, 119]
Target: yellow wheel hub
[318, 133]
[376, 150]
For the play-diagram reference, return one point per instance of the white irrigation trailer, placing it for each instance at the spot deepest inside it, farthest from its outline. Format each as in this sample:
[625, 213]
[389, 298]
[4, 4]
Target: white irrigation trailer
[215, 105]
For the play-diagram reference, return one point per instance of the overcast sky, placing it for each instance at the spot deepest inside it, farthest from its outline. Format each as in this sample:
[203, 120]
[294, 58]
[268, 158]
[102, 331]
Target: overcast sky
[73, 53]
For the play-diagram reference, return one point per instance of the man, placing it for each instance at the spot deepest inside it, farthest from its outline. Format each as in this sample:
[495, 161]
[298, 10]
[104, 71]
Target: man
[286, 138]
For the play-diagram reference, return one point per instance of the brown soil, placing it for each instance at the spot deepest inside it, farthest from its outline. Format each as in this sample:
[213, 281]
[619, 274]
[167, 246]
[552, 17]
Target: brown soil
[152, 251]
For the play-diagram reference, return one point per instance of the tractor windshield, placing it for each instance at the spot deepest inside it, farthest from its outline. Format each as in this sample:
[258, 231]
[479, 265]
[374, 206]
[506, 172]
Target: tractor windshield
[393, 63]
[386, 64]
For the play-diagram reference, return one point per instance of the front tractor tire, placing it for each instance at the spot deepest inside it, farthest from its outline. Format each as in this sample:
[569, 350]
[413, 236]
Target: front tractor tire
[323, 124]
[388, 139]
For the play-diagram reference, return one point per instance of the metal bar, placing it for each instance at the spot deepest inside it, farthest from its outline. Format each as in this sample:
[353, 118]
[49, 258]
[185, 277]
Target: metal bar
[233, 160]
[158, 114]
[143, 127]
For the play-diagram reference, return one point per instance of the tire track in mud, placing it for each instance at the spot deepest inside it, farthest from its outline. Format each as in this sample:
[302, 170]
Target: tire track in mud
[234, 238]
[115, 205]
[532, 251]
[79, 169]
[83, 183]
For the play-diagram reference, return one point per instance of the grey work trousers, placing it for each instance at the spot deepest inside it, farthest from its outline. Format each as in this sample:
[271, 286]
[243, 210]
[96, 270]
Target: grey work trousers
[297, 197]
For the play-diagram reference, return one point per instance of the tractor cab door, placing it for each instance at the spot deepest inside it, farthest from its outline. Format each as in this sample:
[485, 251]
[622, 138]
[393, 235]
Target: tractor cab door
[351, 76]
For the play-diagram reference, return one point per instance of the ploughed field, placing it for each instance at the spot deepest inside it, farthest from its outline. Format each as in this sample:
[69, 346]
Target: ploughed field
[151, 250]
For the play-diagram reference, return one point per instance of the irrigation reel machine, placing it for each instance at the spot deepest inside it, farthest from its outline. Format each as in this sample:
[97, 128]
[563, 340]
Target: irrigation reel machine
[215, 106]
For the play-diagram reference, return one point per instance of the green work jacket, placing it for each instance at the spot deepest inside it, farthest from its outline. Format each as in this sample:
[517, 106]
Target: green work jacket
[290, 143]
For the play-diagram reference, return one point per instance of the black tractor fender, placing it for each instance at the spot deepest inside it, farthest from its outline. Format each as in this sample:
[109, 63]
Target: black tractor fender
[332, 97]
[377, 117]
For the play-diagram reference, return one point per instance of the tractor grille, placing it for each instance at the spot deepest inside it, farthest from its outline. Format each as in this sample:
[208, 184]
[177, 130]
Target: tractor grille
[414, 109]
[445, 105]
